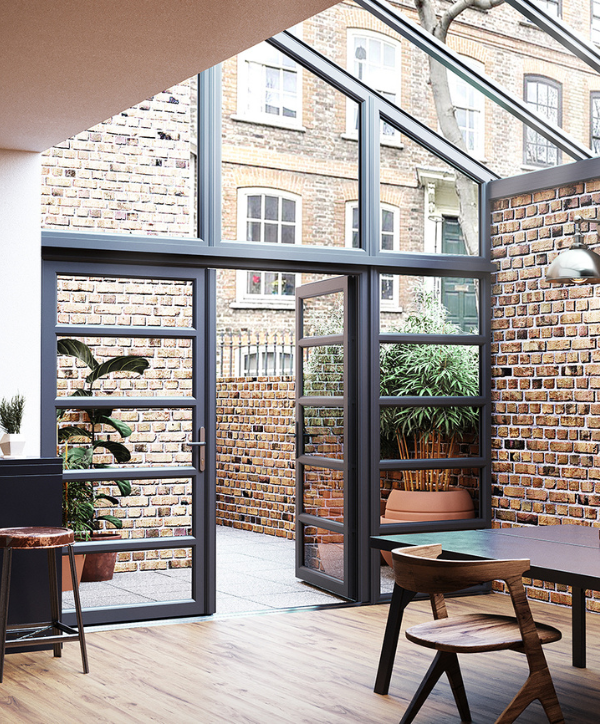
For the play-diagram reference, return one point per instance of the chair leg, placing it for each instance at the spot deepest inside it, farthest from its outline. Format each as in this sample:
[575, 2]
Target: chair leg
[458, 688]
[4, 599]
[77, 599]
[442, 663]
[54, 600]
[539, 685]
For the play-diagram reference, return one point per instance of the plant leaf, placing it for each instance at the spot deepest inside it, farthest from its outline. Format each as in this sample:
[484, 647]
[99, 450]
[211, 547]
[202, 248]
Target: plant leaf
[75, 348]
[69, 431]
[128, 363]
[103, 496]
[124, 486]
[120, 453]
[122, 428]
[111, 519]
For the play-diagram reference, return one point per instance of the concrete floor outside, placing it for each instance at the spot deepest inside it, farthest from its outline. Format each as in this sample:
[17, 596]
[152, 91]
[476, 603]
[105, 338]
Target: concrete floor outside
[255, 572]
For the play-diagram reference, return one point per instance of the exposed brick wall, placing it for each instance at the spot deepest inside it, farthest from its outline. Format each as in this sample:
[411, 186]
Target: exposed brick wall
[546, 360]
[256, 454]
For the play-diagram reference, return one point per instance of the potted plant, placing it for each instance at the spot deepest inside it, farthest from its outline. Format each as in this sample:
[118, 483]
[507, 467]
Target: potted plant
[11, 418]
[428, 370]
[84, 440]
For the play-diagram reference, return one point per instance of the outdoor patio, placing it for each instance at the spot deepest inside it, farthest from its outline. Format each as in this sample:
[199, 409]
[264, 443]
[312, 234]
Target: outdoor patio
[255, 572]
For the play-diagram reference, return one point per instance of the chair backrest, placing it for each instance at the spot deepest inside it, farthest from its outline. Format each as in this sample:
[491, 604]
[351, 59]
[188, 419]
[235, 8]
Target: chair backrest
[418, 569]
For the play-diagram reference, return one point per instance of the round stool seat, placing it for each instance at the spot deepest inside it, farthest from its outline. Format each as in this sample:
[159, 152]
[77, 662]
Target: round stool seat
[35, 537]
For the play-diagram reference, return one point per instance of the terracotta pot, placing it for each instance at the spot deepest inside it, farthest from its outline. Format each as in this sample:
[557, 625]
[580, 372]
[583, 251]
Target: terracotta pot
[67, 583]
[100, 566]
[407, 506]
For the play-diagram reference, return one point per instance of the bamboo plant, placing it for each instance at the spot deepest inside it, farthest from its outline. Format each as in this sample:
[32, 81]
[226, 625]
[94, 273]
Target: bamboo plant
[428, 370]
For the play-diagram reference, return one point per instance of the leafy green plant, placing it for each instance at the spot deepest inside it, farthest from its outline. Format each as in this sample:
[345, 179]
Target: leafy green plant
[11, 414]
[428, 370]
[87, 439]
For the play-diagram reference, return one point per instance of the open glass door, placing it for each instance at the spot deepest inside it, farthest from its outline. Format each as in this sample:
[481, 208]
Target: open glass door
[325, 441]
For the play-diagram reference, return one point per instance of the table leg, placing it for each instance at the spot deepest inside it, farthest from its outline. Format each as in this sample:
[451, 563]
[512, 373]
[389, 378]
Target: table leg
[400, 600]
[578, 627]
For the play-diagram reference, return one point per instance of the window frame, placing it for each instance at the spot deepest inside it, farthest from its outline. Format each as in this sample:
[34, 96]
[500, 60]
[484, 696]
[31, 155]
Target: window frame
[392, 305]
[264, 301]
[243, 111]
[594, 95]
[454, 82]
[351, 107]
[557, 85]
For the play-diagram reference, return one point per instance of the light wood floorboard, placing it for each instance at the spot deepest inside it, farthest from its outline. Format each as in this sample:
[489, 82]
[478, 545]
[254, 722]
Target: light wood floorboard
[314, 667]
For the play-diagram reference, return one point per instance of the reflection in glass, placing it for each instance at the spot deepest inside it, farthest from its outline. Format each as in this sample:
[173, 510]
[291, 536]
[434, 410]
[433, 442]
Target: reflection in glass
[323, 492]
[323, 315]
[323, 371]
[324, 551]
[323, 431]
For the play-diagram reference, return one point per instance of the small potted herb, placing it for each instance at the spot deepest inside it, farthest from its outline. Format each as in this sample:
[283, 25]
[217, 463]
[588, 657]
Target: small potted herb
[11, 418]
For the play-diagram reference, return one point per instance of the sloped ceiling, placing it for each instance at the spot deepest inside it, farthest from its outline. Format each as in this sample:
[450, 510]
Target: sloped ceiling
[66, 65]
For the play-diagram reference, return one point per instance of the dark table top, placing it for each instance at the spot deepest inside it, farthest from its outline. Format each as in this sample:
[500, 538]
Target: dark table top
[568, 554]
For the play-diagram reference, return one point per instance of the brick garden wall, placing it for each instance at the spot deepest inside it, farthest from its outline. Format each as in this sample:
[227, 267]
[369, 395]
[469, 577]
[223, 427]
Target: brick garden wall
[256, 454]
[546, 365]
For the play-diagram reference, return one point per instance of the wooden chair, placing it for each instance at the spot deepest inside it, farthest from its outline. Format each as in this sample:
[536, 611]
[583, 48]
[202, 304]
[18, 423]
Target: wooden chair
[417, 569]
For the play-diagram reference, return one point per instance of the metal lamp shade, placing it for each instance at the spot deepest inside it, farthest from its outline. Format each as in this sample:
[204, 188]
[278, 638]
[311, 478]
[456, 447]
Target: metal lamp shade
[577, 264]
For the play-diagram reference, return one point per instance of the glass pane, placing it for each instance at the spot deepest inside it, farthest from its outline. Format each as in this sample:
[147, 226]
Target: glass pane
[429, 370]
[323, 432]
[323, 493]
[429, 433]
[147, 437]
[119, 301]
[155, 508]
[139, 577]
[324, 551]
[323, 315]
[323, 370]
[450, 494]
[431, 305]
[290, 128]
[162, 367]
[439, 197]
[133, 173]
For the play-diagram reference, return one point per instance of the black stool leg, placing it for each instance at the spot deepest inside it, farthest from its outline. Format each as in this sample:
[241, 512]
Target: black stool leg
[4, 597]
[80, 631]
[54, 601]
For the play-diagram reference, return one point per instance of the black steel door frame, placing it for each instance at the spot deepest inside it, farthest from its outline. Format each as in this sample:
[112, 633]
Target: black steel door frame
[202, 403]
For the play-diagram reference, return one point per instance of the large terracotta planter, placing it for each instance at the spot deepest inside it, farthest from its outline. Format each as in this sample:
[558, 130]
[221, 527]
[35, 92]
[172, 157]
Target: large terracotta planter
[67, 583]
[409, 506]
[100, 566]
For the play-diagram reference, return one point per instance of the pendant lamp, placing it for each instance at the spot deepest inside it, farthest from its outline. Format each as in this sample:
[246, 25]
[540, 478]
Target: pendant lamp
[578, 264]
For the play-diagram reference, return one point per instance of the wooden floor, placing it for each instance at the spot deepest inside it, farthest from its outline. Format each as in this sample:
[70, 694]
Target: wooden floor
[316, 667]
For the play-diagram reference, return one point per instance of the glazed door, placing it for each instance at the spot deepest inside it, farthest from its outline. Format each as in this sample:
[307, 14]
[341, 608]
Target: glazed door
[165, 557]
[325, 435]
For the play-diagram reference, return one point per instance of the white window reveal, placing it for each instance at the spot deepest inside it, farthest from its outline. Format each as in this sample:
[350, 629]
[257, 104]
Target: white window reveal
[268, 216]
[375, 60]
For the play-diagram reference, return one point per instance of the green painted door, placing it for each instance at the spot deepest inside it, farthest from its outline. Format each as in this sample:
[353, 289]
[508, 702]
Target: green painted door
[459, 295]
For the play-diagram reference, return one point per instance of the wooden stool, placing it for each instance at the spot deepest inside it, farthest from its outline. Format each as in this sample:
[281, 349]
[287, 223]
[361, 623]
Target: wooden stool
[34, 634]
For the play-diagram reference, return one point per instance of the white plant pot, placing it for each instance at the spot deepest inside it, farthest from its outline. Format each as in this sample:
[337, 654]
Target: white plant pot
[12, 446]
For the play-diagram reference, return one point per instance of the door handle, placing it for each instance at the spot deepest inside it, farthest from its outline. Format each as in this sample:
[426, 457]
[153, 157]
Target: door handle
[202, 445]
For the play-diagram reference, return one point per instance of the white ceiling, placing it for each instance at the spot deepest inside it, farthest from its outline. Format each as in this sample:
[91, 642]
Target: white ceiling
[66, 65]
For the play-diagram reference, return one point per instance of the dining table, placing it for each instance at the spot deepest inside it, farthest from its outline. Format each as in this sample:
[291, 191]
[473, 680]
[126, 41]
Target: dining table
[561, 554]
